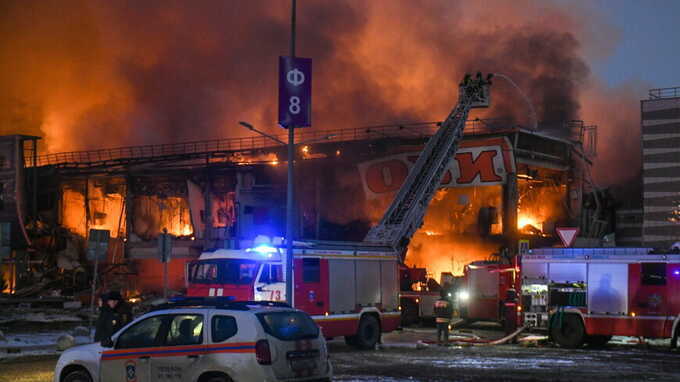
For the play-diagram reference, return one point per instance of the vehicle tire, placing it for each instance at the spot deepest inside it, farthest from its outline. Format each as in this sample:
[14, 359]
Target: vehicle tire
[368, 333]
[570, 334]
[77, 376]
[597, 341]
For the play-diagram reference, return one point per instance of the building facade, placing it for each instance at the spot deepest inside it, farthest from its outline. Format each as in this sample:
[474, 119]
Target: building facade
[661, 167]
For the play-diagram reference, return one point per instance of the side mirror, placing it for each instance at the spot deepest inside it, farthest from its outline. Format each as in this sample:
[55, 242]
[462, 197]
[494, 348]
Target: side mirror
[107, 343]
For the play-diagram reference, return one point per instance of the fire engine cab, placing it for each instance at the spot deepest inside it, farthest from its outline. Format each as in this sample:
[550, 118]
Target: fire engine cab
[588, 295]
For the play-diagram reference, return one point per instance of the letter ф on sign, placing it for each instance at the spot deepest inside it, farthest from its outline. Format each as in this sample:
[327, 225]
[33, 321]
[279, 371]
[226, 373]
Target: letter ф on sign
[295, 92]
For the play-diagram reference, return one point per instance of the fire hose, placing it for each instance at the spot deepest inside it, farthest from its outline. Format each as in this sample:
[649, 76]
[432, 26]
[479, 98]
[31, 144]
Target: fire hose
[483, 342]
[503, 340]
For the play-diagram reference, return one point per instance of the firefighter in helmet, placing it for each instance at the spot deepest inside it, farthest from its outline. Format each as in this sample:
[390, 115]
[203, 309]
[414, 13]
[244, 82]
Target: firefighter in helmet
[443, 309]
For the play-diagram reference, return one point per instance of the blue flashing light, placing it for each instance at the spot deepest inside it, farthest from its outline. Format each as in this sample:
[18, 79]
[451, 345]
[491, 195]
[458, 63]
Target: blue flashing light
[676, 272]
[263, 249]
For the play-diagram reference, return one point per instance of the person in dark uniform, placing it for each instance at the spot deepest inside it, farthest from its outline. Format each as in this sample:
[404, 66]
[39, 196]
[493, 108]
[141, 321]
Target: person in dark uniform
[443, 310]
[122, 308]
[113, 315]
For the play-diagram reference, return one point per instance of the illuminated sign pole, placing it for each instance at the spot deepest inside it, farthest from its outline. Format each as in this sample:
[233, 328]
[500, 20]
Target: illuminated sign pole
[295, 109]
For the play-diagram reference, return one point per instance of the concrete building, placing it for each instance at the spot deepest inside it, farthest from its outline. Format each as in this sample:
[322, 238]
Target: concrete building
[661, 167]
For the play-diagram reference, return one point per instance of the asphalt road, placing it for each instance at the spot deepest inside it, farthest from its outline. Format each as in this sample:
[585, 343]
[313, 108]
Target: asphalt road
[399, 360]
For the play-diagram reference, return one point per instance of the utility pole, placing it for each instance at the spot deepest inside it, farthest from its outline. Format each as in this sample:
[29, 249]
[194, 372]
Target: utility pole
[290, 197]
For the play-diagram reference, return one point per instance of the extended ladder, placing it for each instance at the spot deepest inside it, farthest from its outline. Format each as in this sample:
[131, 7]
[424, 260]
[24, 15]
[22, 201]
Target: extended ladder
[406, 212]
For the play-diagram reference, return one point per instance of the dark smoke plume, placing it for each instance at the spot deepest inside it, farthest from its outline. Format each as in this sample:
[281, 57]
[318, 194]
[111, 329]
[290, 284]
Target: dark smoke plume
[90, 74]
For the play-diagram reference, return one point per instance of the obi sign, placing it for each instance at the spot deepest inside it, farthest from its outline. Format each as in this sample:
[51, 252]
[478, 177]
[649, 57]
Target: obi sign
[295, 92]
[476, 163]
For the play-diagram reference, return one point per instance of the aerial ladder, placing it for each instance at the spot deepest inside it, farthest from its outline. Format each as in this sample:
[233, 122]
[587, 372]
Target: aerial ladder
[405, 214]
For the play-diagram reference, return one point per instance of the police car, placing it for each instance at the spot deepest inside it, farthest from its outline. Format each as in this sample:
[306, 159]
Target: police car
[205, 340]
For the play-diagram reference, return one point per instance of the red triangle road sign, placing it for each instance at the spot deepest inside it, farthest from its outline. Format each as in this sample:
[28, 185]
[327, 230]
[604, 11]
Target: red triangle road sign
[567, 235]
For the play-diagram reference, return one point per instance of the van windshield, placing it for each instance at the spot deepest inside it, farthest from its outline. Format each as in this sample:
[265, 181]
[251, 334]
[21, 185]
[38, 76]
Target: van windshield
[289, 326]
[224, 271]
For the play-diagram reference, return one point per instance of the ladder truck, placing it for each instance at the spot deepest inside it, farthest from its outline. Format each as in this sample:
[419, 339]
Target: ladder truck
[350, 289]
[405, 215]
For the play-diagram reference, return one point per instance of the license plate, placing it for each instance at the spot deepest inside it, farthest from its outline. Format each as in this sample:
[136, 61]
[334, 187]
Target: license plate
[302, 364]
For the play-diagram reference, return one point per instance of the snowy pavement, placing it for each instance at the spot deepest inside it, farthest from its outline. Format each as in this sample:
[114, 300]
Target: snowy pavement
[400, 360]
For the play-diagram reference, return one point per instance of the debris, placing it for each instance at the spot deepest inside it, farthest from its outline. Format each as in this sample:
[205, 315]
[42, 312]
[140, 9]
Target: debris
[64, 342]
[81, 331]
[421, 345]
[73, 305]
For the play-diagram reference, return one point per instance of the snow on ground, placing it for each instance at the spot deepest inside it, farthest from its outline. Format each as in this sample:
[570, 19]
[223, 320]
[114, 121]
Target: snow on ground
[38, 317]
[17, 345]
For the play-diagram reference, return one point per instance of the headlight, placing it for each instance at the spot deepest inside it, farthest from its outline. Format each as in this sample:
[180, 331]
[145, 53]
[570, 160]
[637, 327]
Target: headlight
[463, 295]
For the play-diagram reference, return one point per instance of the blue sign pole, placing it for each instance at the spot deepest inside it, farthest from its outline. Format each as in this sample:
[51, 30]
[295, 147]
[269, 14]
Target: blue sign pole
[295, 92]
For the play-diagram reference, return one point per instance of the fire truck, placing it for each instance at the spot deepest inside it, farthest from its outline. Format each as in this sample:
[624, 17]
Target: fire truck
[484, 290]
[350, 289]
[588, 295]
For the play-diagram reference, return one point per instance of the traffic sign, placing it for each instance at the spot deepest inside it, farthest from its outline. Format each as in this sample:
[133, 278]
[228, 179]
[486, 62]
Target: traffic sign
[98, 244]
[164, 247]
[295, 92]
[567, 235]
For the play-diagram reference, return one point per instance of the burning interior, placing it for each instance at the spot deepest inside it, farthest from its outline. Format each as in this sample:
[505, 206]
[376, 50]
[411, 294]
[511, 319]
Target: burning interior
[504, 184]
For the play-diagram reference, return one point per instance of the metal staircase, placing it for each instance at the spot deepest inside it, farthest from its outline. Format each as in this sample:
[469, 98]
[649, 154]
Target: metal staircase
[405, 214]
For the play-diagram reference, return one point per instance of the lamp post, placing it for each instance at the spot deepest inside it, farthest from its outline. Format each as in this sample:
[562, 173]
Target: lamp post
[290, 213]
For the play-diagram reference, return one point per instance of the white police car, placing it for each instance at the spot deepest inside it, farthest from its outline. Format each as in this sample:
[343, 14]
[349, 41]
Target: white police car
[205, 340]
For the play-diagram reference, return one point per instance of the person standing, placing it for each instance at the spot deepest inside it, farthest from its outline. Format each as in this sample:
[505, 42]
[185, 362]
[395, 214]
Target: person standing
[113, 315]
[443, 311]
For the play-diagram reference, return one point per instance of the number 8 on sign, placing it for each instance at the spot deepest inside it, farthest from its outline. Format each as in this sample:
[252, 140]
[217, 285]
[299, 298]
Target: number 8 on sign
[294, 105]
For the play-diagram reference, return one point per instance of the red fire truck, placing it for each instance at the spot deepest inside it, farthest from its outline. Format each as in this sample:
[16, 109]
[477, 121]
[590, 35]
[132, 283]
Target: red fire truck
[350, 289]
[588, 295]
[484, 290]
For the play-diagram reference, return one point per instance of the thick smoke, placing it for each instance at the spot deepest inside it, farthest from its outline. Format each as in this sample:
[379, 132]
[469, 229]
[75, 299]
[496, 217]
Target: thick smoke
[90, 74]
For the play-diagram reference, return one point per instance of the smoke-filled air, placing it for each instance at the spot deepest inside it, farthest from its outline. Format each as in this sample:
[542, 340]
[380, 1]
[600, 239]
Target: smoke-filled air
[92, 74]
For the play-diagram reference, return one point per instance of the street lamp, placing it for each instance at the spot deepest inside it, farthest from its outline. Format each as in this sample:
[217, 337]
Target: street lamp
[290, 216]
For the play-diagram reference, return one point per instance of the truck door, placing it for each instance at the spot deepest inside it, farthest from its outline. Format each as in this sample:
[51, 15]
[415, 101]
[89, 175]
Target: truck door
[649, 300]
[311, 285]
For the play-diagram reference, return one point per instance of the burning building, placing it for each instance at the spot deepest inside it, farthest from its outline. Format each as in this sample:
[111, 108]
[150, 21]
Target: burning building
[504, 183]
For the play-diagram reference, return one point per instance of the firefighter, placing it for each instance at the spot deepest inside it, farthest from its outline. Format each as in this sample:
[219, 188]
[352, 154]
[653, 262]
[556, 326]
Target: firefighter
[510, 306]
[443, 310]
[113, 315]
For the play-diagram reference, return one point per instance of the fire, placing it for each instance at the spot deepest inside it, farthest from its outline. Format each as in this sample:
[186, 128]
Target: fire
[527, 223]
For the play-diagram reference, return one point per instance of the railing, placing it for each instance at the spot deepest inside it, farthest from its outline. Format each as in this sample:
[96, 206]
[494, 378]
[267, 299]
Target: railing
[664, 93]
[130, 153]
